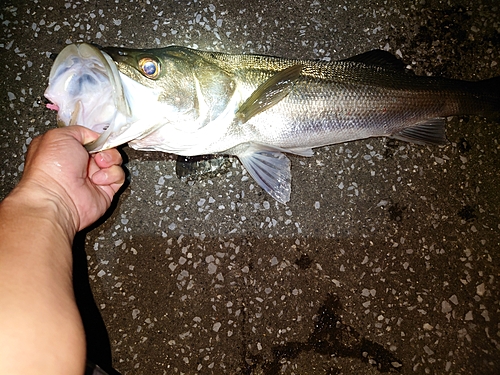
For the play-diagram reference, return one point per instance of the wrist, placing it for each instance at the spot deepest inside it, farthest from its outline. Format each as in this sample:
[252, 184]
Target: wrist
[32, 200]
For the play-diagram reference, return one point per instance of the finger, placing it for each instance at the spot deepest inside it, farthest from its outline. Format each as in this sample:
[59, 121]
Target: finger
[82, 134]
[109, 176]
[107, 158]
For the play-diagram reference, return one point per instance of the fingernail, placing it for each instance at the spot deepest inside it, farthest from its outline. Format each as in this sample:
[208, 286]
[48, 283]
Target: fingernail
[100, 177]
[105, 157]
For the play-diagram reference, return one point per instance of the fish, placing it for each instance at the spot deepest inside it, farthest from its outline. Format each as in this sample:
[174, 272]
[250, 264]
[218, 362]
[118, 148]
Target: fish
[258, 108]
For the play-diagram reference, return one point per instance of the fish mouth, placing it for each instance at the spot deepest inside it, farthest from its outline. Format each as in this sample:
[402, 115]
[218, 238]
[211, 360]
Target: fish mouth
[85, 89]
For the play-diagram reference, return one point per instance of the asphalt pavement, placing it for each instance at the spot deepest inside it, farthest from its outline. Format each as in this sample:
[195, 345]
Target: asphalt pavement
[384, 260]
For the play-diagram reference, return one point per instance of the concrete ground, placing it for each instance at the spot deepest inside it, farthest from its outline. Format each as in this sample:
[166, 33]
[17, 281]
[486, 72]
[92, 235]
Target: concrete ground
[386, 257]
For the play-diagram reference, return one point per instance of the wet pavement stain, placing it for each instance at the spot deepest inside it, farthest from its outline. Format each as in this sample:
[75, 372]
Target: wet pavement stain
[331, 337]
[464, 146]
[390, 147]
[467, 213]
[304, 262]
[396, 212]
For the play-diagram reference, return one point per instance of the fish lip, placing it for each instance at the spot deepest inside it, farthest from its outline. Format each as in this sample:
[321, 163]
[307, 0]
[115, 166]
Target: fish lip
[87, 51]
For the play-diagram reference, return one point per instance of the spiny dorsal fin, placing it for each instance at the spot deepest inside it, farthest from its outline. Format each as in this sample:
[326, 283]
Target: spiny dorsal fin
[269, 93]
[380, 58]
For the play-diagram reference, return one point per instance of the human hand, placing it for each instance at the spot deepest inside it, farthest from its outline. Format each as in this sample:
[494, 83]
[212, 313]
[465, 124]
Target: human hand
[59, 169]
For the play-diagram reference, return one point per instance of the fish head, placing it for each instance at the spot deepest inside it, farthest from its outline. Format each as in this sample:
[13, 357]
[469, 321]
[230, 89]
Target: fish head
[123, 94]
[87, 88]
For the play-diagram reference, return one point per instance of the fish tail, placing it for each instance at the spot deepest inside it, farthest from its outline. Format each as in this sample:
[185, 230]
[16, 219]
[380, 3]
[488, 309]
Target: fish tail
[480, 98]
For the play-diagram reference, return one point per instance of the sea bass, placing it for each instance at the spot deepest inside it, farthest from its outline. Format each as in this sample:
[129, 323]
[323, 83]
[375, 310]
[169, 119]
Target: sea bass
[190, 102]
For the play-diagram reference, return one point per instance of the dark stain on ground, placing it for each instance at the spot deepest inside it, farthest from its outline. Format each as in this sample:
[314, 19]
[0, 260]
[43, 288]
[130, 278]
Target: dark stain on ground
[467, 213]
[463, 146]
[304, 262]
[396, 212]
[250, 361]
[330, 337]
[390, 146]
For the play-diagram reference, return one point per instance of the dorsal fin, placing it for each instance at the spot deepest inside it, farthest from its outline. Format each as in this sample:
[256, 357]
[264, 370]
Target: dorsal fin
[380, 58]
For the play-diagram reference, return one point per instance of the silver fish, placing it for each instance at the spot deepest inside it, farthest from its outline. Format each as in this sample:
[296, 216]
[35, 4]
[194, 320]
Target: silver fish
[189, 102]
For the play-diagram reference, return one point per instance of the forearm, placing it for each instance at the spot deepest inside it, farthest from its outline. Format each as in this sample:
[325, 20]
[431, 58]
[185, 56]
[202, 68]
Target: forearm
[40, 327]
[62, 190]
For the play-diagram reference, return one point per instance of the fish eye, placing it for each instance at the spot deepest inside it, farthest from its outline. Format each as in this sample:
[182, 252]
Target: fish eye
[149, 67]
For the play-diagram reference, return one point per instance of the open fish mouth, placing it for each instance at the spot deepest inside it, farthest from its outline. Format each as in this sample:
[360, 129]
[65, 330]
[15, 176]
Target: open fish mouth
[85, 89]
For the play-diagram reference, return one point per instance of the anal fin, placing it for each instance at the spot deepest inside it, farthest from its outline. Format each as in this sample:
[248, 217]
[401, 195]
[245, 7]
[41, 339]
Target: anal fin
[427, 132]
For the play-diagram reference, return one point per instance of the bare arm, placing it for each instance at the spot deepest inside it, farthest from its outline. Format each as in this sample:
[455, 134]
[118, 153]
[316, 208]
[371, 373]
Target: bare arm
[62, 190]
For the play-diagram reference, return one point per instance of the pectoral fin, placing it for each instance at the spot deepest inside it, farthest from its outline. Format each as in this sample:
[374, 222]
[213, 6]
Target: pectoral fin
[269, 93]
[269, 167]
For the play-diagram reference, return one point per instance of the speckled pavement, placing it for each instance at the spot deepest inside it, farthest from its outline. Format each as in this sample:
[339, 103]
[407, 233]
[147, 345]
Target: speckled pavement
[386, 257]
